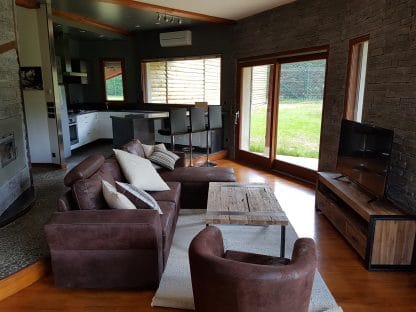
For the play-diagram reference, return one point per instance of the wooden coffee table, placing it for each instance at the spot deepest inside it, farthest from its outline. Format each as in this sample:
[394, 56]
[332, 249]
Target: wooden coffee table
[245, 204]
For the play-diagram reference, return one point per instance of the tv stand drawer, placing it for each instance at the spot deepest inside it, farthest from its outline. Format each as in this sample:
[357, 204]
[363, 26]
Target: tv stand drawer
[341, 220]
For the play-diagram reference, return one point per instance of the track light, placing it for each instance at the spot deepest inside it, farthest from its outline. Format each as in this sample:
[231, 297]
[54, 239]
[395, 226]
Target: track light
[168, 18]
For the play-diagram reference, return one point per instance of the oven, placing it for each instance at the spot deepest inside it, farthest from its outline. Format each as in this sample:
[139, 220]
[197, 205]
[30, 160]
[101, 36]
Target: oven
[73, 130]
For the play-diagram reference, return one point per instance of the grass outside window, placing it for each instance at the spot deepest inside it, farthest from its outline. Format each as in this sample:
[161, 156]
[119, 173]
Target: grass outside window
[298, 130]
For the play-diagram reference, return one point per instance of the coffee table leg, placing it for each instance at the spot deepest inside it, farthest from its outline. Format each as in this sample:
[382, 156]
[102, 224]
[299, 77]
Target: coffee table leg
[282, 240]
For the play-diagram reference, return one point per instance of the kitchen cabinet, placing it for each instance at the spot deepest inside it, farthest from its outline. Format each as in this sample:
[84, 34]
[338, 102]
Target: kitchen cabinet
[87, 128]
[94, 126]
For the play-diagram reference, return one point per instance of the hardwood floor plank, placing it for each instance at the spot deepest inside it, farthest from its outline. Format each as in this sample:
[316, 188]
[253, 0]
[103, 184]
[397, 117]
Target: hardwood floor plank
[354, 288]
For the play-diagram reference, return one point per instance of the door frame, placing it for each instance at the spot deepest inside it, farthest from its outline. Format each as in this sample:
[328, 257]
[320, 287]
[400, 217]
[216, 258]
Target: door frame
[269, 162]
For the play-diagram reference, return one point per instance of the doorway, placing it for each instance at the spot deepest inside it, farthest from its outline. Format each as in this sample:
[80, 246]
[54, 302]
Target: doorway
[280, 116]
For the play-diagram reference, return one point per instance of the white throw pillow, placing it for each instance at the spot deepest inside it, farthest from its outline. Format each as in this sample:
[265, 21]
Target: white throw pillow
[140, 172]
[114, 199]
[141, 195]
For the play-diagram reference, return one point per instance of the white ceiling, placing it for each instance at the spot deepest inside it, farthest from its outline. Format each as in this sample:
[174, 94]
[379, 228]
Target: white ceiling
[230, 9]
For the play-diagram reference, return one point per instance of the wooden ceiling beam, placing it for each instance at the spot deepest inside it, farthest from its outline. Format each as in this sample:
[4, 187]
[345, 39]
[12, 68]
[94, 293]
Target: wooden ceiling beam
[28, 4]
[86, 21]
[170, 11]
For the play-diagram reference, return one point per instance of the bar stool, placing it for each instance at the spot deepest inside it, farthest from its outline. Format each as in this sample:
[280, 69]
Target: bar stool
[177, 125]
[214, 123]
[197, 124]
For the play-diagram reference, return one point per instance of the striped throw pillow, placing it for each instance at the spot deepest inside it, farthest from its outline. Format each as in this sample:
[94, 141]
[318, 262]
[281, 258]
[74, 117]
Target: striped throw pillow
[162, 157]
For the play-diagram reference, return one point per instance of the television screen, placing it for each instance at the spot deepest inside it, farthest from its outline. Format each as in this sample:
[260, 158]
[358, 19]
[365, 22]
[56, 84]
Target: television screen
[364, 155]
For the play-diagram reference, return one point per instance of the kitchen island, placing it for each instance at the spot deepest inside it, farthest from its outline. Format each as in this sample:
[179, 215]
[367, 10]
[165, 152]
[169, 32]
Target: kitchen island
[88, 126]
[138, 125]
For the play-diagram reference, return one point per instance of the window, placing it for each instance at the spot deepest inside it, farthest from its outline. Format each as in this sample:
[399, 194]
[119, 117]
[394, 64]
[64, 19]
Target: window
[113, 80]
[182, 81]
[357, 68]
[281, 100]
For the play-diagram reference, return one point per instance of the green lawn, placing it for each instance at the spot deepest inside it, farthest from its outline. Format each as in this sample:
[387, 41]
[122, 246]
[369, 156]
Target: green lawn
[299, 126]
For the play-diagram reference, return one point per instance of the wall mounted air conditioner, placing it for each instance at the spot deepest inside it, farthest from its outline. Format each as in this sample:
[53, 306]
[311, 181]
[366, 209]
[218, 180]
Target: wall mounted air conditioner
[176, 38]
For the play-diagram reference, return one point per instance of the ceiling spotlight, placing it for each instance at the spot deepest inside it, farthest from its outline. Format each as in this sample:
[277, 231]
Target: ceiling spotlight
[83, 31]
[158, 18]
[101, 36]
[137, 26]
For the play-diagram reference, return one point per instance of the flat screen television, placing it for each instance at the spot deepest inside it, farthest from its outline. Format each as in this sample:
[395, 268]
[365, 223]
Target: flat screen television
[364, 155]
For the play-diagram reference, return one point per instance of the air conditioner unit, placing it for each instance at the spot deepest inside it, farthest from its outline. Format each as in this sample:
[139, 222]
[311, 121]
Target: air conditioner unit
[176, 38]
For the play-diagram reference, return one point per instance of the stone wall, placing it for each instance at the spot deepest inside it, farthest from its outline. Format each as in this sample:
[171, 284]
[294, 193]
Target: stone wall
[14, 177]
[390, 93]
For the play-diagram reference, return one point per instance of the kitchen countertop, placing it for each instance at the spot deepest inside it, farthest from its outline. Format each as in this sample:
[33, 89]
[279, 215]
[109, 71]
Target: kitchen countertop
[133, 112]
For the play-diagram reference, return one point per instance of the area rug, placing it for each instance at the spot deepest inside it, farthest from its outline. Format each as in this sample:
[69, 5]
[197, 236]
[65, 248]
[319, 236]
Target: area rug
[175, 289]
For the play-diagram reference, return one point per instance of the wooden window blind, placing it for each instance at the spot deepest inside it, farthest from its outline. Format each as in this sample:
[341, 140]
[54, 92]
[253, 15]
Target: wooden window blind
[183, 81]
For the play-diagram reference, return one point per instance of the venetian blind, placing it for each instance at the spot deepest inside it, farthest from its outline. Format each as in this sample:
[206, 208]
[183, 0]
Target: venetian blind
[183, 81]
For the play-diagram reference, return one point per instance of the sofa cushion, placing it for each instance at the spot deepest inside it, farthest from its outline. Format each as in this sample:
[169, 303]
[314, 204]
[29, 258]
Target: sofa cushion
[149, 149]
[139, 172]
[112, 166]
[134, 147]
[114, 199]
[165, 159]
[84, 169]
[138, 197]
[173, 195]
[88, 193]
[199, 174]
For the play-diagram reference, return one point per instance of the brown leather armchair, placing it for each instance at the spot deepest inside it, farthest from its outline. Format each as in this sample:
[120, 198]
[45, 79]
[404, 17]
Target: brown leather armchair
[237, 281]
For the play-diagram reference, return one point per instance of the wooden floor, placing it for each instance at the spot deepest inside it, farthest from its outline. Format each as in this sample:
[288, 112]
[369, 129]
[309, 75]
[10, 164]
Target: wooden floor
[354, 288]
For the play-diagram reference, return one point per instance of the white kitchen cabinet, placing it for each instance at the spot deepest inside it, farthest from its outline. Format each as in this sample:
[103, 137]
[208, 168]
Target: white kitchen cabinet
[94, 126]
[87, 128]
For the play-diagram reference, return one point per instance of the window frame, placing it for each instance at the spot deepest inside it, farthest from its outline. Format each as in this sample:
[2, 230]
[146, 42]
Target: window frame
[183, 58]
[123, 74]
[270, 162]
[350, 101]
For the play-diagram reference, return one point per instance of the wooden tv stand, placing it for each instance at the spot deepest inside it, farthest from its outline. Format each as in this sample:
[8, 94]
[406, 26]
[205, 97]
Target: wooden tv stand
[382, 234]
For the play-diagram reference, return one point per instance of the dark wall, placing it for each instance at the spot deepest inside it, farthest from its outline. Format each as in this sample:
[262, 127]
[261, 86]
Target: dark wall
[390, 93]
[93, 52]
[206, 40]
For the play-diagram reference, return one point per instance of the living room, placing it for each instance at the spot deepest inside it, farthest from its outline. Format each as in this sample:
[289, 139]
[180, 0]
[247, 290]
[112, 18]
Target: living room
[325, 37]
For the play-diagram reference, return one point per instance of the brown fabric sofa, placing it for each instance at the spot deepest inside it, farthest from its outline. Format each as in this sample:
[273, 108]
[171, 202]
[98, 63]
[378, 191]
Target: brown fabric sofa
[235, 281]
[93, 246]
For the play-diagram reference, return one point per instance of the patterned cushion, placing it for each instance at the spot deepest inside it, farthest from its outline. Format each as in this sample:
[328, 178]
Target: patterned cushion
[138, 196]
[161, 156]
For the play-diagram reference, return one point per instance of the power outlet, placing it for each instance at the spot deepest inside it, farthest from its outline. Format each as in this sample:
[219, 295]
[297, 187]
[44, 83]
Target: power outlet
[53, 155]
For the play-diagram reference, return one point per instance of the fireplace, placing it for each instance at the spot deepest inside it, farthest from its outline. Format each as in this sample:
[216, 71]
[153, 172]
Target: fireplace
[15, 182]
[7, 150]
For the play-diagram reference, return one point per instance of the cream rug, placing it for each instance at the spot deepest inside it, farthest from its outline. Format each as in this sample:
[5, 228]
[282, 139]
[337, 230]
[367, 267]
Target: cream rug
[175, 289]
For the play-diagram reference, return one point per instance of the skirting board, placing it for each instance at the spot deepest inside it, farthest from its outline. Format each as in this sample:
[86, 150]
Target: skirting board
[49, 165]
[23, 278]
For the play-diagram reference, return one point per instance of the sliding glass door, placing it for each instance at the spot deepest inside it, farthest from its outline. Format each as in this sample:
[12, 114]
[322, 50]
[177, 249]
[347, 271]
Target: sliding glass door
[280, 113]
[256, 101]
[299, 114]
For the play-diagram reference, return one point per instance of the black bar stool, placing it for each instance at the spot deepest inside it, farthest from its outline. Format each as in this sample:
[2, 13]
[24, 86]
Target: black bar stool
[214, 123]
[197, 124]
[177, 125]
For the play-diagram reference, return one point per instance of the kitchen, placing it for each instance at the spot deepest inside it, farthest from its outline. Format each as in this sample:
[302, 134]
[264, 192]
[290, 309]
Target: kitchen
[91, 121]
